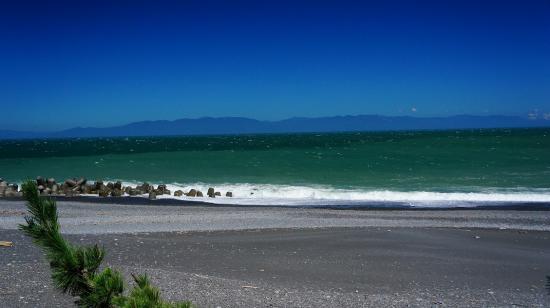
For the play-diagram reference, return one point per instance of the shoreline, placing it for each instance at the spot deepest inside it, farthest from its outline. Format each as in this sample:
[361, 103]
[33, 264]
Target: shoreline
[267, 195]
[365, 206]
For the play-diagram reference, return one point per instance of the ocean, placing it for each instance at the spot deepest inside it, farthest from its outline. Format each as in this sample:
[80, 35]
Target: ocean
[415, 168]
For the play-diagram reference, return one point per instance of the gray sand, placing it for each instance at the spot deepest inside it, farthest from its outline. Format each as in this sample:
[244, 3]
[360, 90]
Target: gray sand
[94, 218]
[277, 257]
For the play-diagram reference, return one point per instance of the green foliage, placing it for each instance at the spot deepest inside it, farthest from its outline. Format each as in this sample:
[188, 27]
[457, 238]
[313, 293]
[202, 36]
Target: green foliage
[106, 286]
[75, 269]
[144, 295]
[71, 266]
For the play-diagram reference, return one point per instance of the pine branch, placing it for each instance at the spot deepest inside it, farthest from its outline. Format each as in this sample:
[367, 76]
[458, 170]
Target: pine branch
[106, 286]
[145, 295]
[70, 266]
[75, 269]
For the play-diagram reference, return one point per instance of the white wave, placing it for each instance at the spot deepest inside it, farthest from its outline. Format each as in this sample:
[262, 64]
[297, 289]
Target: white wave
[287, 195]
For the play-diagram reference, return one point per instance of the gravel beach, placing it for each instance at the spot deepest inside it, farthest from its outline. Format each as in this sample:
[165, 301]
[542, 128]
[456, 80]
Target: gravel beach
[286, 257]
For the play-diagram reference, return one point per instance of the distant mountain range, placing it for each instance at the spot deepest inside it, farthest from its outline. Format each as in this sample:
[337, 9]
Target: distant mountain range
[237, 125]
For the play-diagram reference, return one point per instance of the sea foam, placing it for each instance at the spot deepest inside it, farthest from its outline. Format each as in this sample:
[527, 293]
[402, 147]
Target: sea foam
[290, 195]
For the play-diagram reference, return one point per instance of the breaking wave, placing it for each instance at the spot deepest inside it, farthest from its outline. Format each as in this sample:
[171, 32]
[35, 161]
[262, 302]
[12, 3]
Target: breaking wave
[289, 195]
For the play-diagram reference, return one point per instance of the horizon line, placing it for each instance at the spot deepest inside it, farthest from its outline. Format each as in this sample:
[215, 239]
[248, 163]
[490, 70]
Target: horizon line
[544, 117]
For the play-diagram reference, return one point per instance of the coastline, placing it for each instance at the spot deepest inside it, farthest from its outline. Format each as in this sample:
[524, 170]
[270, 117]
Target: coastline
[267, 195]
[357, 206]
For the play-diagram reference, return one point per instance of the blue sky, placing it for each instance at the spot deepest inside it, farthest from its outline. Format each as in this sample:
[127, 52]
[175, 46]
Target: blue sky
[93, 63]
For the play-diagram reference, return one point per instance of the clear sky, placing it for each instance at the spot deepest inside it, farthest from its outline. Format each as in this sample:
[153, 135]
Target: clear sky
[92, 63]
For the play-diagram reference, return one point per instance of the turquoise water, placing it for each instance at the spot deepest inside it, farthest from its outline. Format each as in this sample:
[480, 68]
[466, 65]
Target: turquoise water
[516, 160]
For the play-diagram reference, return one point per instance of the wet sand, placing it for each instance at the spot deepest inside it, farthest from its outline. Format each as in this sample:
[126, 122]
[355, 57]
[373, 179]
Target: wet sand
[277, 257]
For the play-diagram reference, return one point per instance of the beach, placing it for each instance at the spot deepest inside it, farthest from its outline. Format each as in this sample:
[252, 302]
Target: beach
[220, 256]
[275, 154]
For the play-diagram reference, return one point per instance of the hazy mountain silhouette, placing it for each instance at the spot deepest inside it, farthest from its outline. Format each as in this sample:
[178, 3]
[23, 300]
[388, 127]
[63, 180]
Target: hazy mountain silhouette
[237, 125]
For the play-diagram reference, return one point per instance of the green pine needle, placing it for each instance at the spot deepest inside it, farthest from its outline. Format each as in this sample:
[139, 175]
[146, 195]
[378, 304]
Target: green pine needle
[75, 269]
